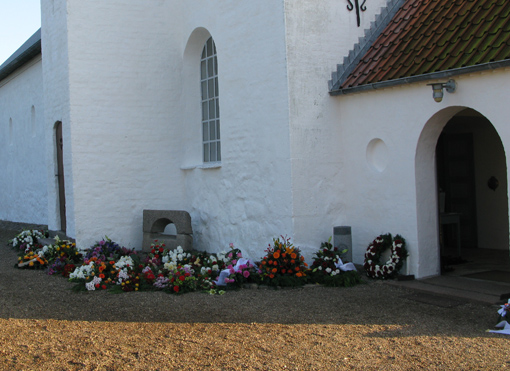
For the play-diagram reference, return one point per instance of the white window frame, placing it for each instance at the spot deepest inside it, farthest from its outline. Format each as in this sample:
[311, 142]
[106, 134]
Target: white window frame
[211, 146]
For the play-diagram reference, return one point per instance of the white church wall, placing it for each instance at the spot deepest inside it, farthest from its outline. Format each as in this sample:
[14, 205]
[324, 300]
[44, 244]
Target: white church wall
[23, 194]
[56, 108]
[123, 104]
[392, 187]
[128, 111]
[246, 200]
[319, 35]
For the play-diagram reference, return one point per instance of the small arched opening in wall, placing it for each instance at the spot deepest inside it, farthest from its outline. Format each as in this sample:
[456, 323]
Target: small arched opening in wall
[462, 195]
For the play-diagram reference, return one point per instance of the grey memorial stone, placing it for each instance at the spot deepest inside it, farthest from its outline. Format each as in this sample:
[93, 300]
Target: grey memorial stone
[342, 238]
[154, 223]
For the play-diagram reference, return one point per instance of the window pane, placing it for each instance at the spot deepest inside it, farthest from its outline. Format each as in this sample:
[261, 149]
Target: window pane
[204, 90]
[215, 64]
[218, 129]
[203, 53]
[212, 113]
[213, 151]
[218, 151]
[210, 67]
[211, 88]
[205, 131]
[217, 107]
[205, 111]
[212, 131]
[206, 152]
[202, 70]
[209, 47]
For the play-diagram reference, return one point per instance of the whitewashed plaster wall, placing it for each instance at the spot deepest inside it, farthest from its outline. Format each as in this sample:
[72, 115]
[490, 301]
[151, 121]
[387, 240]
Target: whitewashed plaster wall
[122, 104]
[319, 35]
[247, 200]
[23, 194]
[56, 102]
[129, 113]
[392, 188]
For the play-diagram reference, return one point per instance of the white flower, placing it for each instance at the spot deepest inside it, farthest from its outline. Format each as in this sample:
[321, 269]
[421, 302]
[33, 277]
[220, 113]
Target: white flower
[320, 267]
[328, 270]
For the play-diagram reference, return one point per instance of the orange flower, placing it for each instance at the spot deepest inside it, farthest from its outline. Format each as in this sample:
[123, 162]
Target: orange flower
[292, 261]
[263, 262]
[276, 255]
[296, 269]
[299, 274]
[302, 258]
[270, 262]
[293, 255]
[284, 255]
[306, 265]
[274, 270]
[271, 275]
[101, 276]
[275, 263]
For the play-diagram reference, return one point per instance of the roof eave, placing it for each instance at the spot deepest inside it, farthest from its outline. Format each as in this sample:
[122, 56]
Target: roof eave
[30, 49]
[424, 77]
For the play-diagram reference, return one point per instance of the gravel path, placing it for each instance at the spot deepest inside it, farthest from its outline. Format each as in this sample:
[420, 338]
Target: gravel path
[46, 326]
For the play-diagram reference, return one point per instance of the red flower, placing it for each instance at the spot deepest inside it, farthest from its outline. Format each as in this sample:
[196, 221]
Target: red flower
[176, 288]
[161, 249]
[104, 287]
[182, 278]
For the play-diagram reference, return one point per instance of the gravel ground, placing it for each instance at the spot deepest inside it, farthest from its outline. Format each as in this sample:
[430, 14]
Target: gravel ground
[374, 326]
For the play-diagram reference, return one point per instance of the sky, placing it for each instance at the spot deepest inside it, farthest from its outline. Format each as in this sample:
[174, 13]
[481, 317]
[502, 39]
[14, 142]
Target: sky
[19, 19]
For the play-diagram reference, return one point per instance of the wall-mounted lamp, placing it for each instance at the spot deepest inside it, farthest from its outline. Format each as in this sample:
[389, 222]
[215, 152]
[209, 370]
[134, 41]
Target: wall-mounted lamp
[437, 89]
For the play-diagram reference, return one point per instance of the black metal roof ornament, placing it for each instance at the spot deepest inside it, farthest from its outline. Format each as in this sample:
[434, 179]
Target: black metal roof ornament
[359, 8]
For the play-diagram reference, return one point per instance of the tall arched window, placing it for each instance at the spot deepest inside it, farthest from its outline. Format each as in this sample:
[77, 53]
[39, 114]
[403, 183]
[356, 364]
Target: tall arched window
[210, 103]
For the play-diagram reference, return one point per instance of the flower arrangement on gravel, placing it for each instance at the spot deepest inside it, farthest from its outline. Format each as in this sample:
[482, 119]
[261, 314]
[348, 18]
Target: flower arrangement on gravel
[395, 262]
[62, 257]
[283, 265]
[108, 266]
[503, 325]
[328, 268]
[28, 240]
[238, 271]
[31, 259]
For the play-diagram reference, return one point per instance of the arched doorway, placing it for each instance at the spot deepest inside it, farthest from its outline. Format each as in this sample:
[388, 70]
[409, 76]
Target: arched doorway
[458, 153]
[472, 193]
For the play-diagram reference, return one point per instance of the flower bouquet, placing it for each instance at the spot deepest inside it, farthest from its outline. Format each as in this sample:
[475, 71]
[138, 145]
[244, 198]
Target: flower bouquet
[328, 269]
[283, 265]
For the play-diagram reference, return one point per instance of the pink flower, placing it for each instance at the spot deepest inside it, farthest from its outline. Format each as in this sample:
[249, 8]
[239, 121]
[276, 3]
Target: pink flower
[246, 274]
[239, 255]
[234, 261]
[231, 245]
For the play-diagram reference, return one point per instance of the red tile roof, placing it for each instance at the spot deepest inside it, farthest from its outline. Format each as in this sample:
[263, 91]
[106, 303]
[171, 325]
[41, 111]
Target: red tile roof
[428, 36]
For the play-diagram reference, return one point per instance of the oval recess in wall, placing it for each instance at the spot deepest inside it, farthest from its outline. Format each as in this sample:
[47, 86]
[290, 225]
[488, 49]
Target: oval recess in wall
[377, 155]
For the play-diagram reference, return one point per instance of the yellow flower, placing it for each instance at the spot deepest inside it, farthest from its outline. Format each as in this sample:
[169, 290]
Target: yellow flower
[31, 264]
